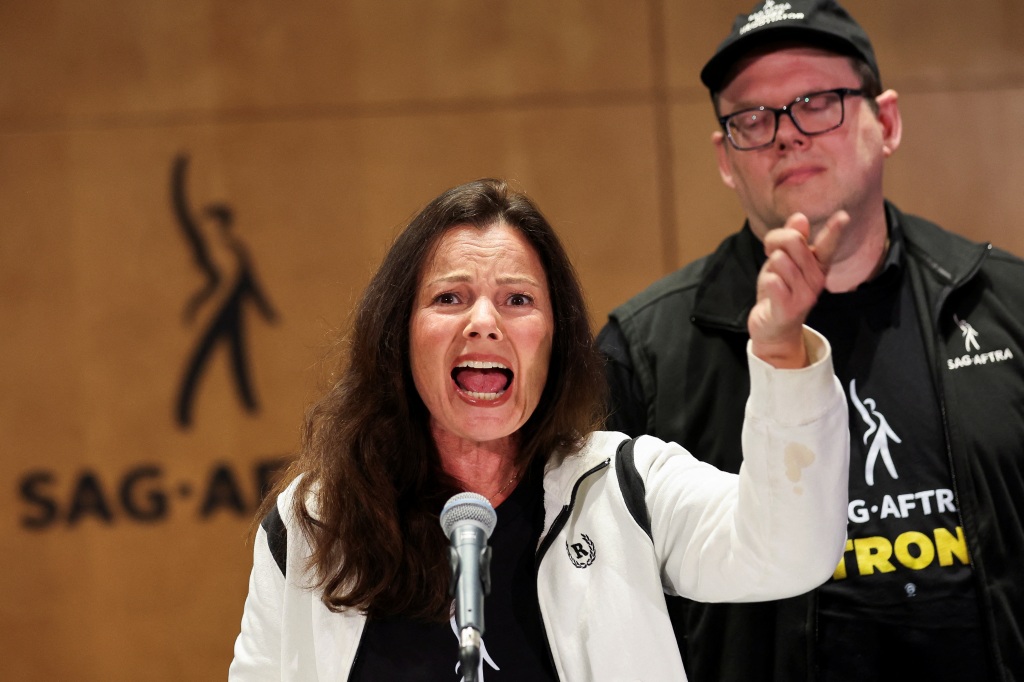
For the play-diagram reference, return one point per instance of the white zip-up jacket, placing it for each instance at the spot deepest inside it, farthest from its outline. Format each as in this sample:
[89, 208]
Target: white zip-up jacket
[622, 528]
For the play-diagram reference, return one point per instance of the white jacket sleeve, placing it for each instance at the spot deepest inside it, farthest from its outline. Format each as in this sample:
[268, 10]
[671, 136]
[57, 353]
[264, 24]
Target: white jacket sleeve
[258, 646]
[778, 528]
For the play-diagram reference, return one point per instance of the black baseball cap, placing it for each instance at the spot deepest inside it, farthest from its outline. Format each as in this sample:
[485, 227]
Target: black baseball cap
[820, 23]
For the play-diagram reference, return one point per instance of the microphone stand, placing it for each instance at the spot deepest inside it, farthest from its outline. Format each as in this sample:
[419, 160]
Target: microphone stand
[470, 636]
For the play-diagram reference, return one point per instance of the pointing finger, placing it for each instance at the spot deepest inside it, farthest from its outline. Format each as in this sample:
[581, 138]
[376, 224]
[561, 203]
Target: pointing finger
[827, 239]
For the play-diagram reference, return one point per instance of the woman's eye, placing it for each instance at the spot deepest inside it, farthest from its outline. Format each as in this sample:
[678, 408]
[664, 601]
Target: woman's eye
[447, 298]
[519, 299]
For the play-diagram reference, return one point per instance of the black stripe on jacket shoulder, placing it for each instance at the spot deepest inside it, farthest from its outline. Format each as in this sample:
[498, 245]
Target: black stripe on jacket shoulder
[277, 538]
[632, 486]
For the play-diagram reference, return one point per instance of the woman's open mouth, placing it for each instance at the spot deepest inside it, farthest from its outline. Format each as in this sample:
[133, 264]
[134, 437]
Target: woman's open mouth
[482, 380]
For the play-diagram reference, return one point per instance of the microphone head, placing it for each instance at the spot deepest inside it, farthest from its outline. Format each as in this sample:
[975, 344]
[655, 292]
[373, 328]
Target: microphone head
[468, 507]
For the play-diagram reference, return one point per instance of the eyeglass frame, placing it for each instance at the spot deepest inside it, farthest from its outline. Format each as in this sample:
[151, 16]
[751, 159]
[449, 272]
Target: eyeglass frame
[787, 110]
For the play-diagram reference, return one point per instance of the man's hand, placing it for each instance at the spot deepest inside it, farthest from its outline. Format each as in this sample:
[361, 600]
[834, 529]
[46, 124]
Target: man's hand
[788, 287]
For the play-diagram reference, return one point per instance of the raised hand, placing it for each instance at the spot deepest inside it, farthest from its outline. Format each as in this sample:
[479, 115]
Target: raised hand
[788, 287]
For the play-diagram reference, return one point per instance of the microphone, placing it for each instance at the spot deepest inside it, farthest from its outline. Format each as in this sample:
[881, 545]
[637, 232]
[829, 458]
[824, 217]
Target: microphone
[468, 519]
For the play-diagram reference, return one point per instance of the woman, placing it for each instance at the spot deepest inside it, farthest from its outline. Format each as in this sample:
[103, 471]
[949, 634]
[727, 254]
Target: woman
[471, 367]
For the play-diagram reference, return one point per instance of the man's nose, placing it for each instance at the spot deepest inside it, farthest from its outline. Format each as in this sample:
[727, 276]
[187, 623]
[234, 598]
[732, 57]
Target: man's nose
[787, 133]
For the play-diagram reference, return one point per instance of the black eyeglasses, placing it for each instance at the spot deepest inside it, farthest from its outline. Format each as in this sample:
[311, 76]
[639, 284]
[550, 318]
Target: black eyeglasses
[812, 114]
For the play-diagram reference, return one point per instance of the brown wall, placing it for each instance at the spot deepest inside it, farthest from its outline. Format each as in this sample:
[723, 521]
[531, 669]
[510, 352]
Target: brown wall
[324, 126]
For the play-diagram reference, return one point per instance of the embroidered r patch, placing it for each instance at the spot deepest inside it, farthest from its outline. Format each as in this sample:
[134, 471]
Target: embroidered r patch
[581, 555]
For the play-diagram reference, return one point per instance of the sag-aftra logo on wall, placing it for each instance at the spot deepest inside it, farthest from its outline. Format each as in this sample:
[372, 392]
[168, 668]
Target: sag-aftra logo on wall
[227, 299]
[229, 285]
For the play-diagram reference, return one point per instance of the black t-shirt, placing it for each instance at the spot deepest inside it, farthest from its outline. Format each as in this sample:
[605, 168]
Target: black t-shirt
[903, 591]
[514, 644]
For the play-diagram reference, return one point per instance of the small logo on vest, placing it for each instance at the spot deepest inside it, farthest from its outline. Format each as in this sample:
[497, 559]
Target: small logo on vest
[970, 358]
[581, 556]
[969, 333]
[769, 14]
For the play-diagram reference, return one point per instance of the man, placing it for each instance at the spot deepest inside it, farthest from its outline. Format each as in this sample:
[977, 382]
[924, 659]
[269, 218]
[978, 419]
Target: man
[927, 331]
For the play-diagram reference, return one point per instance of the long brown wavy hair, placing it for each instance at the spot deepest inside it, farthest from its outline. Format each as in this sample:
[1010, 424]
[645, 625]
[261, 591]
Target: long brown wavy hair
[372, 485]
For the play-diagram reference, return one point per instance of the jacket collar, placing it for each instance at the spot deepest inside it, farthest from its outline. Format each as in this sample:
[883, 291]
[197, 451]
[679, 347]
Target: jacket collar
[951, 259]
[564, 468]
[728, 287]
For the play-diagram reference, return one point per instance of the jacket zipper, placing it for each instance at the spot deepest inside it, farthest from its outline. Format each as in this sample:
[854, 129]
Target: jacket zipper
[938, 344]
[556, 527]
[940, 390]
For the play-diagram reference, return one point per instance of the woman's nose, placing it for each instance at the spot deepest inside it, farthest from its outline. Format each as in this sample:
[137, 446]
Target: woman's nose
[484, 321]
